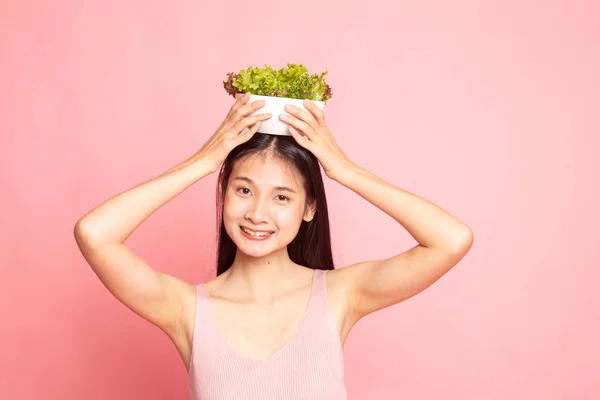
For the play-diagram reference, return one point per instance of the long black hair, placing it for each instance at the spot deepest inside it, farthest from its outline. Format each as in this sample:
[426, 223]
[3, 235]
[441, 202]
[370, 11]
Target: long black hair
[312, 245]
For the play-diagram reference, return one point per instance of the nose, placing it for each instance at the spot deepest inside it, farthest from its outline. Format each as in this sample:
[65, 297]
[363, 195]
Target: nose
[258, 212]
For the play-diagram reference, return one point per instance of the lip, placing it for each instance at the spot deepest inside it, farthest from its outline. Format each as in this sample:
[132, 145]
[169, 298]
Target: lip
[254, 230]
[250, 237]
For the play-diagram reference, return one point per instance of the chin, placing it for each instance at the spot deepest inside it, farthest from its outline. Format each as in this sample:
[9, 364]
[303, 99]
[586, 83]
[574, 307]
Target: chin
[255, 249]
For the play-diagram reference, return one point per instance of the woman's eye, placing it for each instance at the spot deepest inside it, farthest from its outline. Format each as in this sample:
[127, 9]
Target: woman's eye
[279, 197]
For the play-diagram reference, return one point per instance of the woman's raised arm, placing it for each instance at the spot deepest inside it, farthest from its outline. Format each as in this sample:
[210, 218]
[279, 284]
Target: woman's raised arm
[101, 233]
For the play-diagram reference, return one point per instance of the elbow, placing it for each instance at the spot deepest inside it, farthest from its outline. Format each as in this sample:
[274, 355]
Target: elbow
[464, 241]
[460, 243]
[84, 233]
[80, 229]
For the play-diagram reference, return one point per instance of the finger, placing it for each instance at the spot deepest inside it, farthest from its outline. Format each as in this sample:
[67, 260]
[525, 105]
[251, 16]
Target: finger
[250, 108]
[302, 115]
[248, 121]
[239, 102]
[316, 112]
[237, 114]
[255, 127]
[250, 132]
[300, 139]
[299, 125]
[244, 97]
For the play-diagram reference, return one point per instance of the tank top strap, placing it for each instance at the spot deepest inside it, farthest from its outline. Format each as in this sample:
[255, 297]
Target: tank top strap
[318, 295]
[202, 313]
[320, 320]
[202, 300]
[319, 290]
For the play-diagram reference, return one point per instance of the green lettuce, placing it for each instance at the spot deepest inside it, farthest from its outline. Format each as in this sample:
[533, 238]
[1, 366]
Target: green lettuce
[293, 82]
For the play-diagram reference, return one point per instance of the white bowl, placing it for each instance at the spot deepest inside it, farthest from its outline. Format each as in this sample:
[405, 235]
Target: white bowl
[275, 106]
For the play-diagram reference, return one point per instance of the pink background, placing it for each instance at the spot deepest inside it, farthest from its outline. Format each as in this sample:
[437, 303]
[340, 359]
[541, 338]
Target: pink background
[488, 109]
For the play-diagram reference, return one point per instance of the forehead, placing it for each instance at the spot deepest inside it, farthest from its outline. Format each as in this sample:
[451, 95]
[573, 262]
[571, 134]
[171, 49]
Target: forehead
[266, 170]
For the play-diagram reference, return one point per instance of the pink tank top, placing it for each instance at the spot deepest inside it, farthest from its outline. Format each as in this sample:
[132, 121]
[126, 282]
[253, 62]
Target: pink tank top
[310, 366]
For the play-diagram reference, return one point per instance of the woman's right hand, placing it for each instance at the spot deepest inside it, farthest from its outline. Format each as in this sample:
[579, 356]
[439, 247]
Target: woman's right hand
[229, 135]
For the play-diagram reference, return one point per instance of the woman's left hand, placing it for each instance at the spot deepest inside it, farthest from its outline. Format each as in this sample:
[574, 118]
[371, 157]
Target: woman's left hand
[317, 138]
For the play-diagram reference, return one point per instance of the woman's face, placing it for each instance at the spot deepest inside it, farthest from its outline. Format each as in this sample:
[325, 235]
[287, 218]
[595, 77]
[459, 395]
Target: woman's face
[264, 205]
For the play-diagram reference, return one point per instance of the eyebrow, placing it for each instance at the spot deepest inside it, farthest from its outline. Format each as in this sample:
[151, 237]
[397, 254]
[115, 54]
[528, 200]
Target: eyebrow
[251, 182]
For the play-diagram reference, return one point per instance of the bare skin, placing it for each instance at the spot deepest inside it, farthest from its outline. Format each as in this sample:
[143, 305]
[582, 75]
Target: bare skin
[259, 302]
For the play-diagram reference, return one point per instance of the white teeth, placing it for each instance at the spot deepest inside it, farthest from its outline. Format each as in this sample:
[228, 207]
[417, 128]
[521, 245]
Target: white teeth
[262, 234]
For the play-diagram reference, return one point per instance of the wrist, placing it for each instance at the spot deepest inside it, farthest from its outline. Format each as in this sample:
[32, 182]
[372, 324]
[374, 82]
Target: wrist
[198, 165]
[201, 166]
[201, 161]
[348, 173]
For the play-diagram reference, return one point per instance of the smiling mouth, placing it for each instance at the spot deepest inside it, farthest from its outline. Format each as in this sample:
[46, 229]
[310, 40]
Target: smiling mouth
[256, 234]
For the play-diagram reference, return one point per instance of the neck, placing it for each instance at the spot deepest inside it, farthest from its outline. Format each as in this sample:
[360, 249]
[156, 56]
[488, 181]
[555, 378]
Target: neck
[262, 279]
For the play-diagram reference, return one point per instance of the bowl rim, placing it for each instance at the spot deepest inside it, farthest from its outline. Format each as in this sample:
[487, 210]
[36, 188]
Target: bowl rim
[277, 97]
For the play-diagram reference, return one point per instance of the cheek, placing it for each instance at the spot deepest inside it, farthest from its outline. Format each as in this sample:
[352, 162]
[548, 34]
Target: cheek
[287, 217]
[233, 210]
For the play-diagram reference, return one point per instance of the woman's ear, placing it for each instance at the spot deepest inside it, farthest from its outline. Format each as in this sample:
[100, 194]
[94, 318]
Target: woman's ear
[310, 210]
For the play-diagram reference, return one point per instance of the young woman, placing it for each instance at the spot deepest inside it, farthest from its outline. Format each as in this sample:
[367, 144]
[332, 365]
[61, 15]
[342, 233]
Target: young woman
[272, 323]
